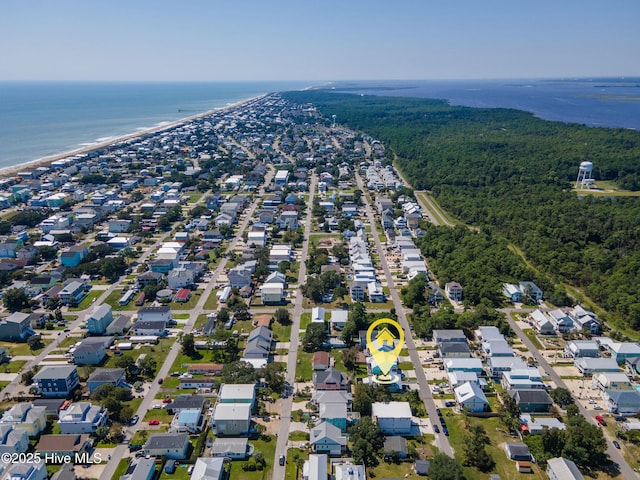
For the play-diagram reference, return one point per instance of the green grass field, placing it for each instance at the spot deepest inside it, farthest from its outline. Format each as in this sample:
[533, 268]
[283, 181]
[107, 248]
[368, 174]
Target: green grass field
[87, 301]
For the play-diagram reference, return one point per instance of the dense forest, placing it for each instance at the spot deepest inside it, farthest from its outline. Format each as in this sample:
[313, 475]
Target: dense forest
[511, 175]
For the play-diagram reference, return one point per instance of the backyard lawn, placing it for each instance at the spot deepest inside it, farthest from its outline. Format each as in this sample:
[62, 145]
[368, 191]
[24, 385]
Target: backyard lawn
[304, 369]
[266, 445]
[212, 301]
[88, 300]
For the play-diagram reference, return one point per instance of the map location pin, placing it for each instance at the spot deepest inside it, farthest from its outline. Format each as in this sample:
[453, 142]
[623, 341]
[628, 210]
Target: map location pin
[385, 340]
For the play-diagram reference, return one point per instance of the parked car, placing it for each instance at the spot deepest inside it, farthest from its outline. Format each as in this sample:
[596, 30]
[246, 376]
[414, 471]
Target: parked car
[160, 380]
[600, 420]
[154, 422]
[134, 420]
[436, 429]
[166, 400]
[597, 407]
[445, 430]
[620, 418]
[616, 444]
[282, 460]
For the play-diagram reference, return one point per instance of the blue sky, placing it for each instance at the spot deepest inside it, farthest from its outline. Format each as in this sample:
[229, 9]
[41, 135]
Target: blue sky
[251, 40]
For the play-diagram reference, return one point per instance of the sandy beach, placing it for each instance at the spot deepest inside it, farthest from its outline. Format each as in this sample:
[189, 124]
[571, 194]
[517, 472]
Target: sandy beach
[44, 161]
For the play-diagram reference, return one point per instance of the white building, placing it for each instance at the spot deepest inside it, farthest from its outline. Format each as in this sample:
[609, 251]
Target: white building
[393, 418]
[82, 417]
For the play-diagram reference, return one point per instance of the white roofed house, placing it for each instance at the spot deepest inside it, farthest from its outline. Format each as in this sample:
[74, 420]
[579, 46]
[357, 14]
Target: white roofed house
[393, 418]
[13, 439]
[317, 315]
[612, 381]
[582, 348]
[26, 415]
[82, 417]
[339, 319]
[622, 402]
[470, 397]
[208, 469]
[327, 438]
[542, 323]
[231, 419]
[561, 321]
[584, 320]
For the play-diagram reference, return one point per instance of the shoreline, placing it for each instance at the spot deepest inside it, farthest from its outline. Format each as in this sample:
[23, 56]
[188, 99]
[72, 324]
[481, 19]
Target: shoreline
[8, 172]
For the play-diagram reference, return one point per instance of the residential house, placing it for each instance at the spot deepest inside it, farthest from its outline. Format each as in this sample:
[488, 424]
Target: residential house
[73, 293]
[23, 471]
[13, 439]
[623, 351]
[73, 256]
[16, 327]
[536, 426]
[582, 348]
[527, 379]
[62, 445]
[348, 471]
[512, 292]
[584, 320]
[208, 469]
[532, 400]
[317, 315]
[393, 418]
[561, 321]
[321, 361]
[453, 290]
[517, 451]
[458, 378]
[339, 319]
[231, 419]
[395, 447]
[542, 323]
[463, 365]
[440, 336]
[560, 468]
[498, 365]
[239, 276]
[237, 393]
[611, 381]
[99, 319]
[187, 402]
[622, 402]
[154, 314]
[330, 379]
[258, 344]
[531, 291]
[82, 417]
[589, 365]
[328, 439]
[334, 413]
[272, 293]
[26, 415]
[149, 328]
[470, 397]
[234, 448]
[181, 277]
[140, 469]
[56, 380]
[188, 420]
[170, 445]
[315, 468]
[104, 376]
[454, 350]
[89, 353]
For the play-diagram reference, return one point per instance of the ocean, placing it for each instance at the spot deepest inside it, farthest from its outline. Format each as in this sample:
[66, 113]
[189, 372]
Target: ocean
[597, 102]
[39, 119]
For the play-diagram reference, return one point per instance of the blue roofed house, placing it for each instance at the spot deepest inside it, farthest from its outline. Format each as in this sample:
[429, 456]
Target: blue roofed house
[99, 319]
[561, 321]
[622, 402]
[189, 420]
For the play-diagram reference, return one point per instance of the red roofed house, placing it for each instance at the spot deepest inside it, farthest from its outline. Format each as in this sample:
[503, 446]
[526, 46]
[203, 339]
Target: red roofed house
[321, 361]
[183, 295]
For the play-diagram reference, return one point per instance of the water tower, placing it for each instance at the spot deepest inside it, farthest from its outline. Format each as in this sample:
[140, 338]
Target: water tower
[584, 175]
[334, 121]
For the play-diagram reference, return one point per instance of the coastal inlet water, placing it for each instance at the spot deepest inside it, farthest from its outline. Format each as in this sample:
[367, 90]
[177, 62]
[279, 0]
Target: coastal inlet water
[39, 119]
[604, 102]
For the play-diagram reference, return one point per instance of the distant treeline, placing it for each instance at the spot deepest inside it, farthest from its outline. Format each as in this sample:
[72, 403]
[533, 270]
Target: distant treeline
[510, 174]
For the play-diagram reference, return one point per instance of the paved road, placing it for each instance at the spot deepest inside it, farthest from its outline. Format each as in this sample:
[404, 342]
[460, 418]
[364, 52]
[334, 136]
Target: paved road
[442, 442]
[285, 413]
[614, 454]
[150, 398]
